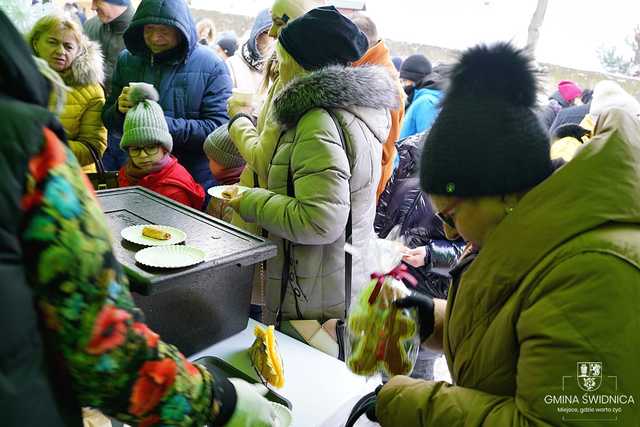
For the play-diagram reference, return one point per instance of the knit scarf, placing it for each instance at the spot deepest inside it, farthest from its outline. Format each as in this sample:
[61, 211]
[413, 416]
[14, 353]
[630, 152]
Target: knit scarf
[229, 176]
[255, 62]
[135, 174]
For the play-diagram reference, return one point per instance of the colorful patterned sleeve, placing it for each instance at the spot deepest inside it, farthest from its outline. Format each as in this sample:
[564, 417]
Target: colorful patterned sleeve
[115, 362]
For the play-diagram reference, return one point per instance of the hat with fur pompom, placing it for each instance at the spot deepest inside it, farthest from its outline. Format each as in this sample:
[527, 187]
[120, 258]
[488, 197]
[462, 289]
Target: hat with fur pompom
[487, 140]
[144, 123]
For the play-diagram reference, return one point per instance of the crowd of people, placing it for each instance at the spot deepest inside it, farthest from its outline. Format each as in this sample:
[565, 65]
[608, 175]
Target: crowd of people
[527, 261]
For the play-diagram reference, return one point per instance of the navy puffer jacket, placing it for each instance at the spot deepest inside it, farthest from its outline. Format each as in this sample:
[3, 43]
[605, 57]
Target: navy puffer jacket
[193, 84]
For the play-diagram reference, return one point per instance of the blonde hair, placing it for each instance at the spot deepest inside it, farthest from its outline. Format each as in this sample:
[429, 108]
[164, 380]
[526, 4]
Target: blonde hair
[287, 65]
[48, 23]
[207, 27]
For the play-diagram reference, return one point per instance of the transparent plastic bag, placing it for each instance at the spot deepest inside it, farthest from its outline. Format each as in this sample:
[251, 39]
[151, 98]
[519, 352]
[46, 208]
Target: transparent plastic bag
[381, 338]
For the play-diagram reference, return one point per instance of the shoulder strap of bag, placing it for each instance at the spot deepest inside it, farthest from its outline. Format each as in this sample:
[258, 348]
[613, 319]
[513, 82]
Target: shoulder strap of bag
[100, 172]
[284, 281]
[348, 229]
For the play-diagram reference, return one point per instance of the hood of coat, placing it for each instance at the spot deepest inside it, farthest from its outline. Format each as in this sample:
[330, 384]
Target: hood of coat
[260, 25]
[598, 186]
[162, 12]
[559, 99]
[338, 87]
[87, 68]
[19, 76]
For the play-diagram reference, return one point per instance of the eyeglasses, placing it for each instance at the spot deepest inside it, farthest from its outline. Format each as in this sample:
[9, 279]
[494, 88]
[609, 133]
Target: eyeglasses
[445, 215]
[149, 151]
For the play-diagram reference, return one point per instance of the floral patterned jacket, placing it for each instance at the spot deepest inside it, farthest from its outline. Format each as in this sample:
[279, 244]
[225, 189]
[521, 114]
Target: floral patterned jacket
[114, 361]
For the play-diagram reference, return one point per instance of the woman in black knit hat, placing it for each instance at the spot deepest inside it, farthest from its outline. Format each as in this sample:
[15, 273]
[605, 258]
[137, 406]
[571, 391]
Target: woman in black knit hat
[548, 308]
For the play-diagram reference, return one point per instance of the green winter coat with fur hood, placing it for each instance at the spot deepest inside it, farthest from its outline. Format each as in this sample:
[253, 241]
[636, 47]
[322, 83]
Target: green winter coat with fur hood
[326, 183]
[556, 284]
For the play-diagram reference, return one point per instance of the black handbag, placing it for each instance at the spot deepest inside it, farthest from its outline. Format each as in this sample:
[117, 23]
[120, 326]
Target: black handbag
[101, 179]
[365, 406]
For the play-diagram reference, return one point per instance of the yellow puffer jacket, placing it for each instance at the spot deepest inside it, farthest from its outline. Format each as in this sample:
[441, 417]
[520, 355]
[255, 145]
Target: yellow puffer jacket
[81, 115]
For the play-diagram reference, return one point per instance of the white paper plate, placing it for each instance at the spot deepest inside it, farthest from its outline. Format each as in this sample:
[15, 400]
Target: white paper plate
[170, 256]
[283, 415]
[133, 234]
[217, 191]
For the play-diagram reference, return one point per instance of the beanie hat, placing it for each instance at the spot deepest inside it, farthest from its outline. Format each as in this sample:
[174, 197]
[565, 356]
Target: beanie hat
[144, 123]
[219, 147]
[569, 90]
[322, 37]
[415, 68]
[487, 140]
[397, 62]
[608, 94]
[228, 42]
[119, 2]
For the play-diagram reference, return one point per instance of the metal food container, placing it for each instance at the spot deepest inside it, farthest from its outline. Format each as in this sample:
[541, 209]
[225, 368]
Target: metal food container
[192, 307]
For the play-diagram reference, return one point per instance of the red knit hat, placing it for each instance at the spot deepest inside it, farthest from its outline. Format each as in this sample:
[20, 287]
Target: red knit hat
[569, 90]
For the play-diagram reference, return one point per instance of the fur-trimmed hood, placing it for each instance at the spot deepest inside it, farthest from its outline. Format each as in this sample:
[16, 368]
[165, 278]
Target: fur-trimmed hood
[88, 67]
[336, 87]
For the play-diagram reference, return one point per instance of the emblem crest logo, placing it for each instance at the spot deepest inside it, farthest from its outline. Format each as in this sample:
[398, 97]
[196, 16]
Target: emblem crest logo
[589, 375]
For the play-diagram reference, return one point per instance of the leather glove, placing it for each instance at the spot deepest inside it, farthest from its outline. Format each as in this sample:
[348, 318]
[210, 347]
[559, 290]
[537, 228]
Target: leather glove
[252, 409]
[426, 317]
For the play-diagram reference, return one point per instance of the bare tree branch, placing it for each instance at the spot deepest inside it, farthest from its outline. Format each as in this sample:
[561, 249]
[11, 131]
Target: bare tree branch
[534, 26]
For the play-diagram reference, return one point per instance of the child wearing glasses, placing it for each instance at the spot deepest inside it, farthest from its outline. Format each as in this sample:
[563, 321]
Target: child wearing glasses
[147, 141]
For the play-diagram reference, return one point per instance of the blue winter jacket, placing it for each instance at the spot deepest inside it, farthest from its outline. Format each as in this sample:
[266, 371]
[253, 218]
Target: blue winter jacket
[422, 112]
[193, 84]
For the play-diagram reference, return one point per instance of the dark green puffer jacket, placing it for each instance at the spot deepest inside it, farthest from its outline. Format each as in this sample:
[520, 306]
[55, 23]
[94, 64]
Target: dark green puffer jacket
[556, 286]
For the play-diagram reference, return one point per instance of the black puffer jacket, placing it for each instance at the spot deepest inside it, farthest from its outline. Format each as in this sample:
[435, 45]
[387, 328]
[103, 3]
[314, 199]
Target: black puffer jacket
[405, 205]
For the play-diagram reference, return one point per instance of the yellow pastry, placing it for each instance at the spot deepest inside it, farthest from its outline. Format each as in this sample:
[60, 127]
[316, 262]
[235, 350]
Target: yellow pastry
[155, 233]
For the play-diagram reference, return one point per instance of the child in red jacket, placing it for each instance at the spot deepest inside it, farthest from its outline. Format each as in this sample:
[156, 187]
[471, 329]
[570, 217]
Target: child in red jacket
[147, 140]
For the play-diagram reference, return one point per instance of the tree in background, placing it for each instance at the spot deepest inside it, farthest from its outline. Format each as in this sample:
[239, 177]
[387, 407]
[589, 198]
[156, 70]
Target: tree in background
[614, 62]
[535, 24]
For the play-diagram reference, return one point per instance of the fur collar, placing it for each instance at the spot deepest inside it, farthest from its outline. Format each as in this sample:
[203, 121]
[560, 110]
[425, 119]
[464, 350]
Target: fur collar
[336, 87]
[87, 68]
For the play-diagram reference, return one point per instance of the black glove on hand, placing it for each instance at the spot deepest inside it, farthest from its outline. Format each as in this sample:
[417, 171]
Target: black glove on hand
[426, 316]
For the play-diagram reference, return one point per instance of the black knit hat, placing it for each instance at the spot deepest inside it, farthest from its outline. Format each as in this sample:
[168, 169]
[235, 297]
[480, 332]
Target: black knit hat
[321, 37]
[415, 68]
[487, 140]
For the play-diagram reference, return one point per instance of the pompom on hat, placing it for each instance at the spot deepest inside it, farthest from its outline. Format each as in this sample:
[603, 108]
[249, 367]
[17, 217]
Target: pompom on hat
[487, 140]
[144, 123]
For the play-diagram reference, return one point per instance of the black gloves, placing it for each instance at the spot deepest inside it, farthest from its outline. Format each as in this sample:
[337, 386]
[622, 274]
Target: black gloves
[425, 308]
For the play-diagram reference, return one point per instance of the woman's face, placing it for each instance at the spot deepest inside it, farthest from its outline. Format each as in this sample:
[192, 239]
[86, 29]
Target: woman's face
[474, 219]
[144, 158]
[59, 47]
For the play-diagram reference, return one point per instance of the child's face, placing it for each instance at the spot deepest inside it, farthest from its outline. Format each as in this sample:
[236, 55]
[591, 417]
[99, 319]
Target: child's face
[216, 168]
[145, 157]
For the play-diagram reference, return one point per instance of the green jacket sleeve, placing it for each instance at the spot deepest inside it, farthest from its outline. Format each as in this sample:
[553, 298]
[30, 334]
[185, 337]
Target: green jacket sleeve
[257, 144]
[567, 318]
[115, 362]
[256, 148]
[320, 171]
